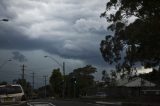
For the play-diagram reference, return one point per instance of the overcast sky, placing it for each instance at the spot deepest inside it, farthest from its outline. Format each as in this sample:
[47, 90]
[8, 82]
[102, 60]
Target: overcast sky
[67, 30]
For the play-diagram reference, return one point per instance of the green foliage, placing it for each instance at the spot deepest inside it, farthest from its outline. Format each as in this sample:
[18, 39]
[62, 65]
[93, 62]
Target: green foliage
[106, 77]
[110, 79]
[41, 91]
[3, 83]
[72, 89]
[83, 79]
[56, 82]
[135, 42]
[26, 86]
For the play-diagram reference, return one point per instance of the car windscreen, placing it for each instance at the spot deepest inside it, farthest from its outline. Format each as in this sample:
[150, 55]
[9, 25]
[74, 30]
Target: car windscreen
[10, 90]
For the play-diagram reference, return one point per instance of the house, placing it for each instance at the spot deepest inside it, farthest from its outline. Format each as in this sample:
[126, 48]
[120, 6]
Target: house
[135, 82]
[132, 87]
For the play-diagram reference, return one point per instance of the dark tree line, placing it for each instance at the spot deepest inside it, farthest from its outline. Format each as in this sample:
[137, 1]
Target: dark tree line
[77, 83]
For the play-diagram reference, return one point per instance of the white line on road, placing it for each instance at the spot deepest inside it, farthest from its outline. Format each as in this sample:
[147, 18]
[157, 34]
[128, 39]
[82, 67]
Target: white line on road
[96, 104]
[52, 104]
[40, 104]
[111, 103]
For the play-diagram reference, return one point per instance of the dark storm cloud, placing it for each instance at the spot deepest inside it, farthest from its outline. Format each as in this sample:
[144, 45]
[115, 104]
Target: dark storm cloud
[11, 39]
[4, 13]
[68, 30]
[19, 57]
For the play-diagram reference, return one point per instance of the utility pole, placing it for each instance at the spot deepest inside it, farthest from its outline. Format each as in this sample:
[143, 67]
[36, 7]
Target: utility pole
[63, 68]
[64, 83]
[23, 69]
[33, 74]
[45, 90]
[23, 81]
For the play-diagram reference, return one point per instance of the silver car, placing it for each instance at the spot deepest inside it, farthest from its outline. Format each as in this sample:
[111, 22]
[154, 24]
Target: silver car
[12, 95]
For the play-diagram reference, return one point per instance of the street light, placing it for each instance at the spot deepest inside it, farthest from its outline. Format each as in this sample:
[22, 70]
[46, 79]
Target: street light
[5, 62]
[61, 65]
[63, 68]
[54, 60]
[6, 20]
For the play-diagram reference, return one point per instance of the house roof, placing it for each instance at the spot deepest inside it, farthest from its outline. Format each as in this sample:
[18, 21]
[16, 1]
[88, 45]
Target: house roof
[135, 82]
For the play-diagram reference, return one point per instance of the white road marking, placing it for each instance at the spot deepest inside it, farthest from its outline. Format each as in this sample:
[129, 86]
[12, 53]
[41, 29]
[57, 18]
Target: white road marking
[40, 104]
[112, 103]
[96, 104]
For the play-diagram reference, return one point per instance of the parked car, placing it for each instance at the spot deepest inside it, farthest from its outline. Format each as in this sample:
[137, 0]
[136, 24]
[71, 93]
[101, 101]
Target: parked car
[12, 95]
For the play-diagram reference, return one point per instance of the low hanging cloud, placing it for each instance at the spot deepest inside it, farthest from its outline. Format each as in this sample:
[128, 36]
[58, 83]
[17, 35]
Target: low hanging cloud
[19, 57]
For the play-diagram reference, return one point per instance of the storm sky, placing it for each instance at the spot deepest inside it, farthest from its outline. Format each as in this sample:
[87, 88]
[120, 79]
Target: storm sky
[67, 30]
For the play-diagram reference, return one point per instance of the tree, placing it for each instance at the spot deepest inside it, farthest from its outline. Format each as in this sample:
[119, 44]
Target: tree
[40, 91]
[3, 83]
[110, 79]
[26, 86]
[56, 82]
[72, 89]
[83, 79]
[134, 42]
[105, 77]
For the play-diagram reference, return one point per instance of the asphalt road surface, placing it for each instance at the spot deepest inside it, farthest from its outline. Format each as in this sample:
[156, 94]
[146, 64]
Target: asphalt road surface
[64, 103]
[42, 102]
[72, 103]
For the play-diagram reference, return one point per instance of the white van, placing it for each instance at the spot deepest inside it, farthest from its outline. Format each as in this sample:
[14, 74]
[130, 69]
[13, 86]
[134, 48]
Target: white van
[12, 94]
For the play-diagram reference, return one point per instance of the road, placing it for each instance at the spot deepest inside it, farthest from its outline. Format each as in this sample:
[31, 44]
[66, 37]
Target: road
[66, 103]
[72, 103]
[42, 102]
